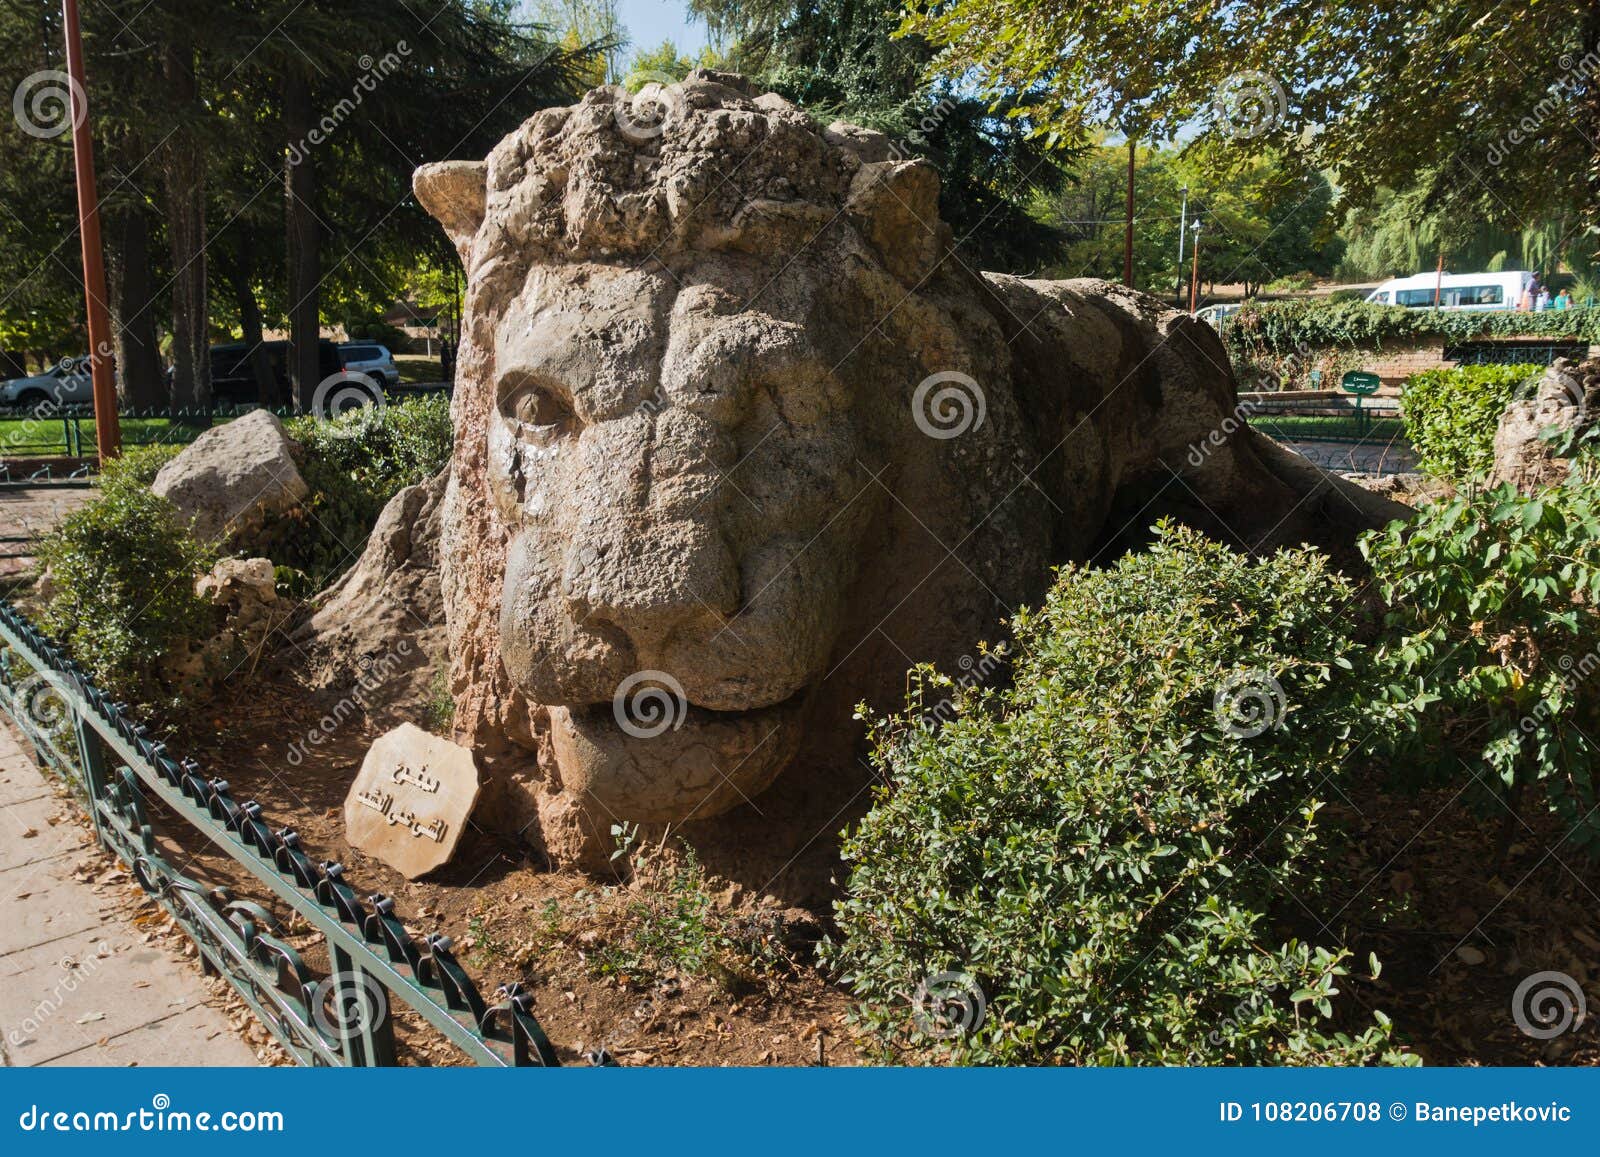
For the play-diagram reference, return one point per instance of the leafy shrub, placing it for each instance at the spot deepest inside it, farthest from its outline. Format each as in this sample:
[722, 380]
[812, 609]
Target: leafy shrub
[122, 572]
[1101, 848]
[354, 464]
[1451, 416]
[141, 464]
[1494, 648]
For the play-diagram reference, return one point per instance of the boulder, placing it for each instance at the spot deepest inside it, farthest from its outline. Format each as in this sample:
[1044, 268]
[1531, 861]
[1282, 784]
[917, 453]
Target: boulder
[381, 626]
[1563, 401]
[244, 592]
[231, 478]
[732, 454]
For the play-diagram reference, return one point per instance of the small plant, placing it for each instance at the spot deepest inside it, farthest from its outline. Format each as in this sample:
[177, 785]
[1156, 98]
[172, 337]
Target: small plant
[122, 576]
[1451, 417]
[440, 708]
[1491, 668]
[1094, 864]
[665, 923]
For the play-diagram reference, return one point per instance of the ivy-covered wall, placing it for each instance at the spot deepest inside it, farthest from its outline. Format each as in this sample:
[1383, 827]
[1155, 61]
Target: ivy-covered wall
[1275, 344]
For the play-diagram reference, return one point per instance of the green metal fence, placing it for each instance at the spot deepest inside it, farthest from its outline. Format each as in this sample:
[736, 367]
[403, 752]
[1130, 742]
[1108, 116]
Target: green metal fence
[134, 789]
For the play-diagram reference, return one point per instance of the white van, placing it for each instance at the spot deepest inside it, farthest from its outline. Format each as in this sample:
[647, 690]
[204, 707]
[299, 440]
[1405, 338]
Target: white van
[1455, 290]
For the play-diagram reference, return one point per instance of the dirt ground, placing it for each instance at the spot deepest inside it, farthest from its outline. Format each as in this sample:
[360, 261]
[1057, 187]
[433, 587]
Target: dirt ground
[511, 919]
[1456, 927]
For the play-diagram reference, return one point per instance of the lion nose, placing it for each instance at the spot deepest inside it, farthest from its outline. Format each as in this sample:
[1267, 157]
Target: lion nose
[647, 579]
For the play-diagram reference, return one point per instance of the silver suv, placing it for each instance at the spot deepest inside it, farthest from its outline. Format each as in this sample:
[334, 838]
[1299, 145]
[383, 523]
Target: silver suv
[66, 383]
[371, 359]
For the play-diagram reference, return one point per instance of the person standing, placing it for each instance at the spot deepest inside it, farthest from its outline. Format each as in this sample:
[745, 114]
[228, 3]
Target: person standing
[1563, 300]
[1541, 301]
[1525, 299]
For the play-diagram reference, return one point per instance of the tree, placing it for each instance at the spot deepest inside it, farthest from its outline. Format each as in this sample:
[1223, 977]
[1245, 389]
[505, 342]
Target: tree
[841, 58]
[591, 29]
[1384, 92]
[1260, 221]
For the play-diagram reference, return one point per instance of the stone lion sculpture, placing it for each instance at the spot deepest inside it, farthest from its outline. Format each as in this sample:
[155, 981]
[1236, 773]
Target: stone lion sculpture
[740, 437]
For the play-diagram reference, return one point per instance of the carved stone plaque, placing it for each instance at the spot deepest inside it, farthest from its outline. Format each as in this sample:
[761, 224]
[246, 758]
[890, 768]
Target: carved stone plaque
[411, 800]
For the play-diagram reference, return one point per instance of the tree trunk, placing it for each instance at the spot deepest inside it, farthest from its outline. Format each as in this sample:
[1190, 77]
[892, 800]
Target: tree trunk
[141, 383]
[250, 322]
[186, 228]
[304, 242]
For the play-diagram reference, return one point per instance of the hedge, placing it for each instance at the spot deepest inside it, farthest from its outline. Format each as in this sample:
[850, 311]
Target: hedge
[1282, 327]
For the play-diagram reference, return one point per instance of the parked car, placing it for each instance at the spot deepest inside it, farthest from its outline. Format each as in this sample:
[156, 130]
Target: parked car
[1454, 291]
[371, 359]
[1216, 316]
[66, 383]
[233, 376]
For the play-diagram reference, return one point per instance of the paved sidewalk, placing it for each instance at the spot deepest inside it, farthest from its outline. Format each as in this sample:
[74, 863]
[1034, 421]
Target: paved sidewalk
[80, 983]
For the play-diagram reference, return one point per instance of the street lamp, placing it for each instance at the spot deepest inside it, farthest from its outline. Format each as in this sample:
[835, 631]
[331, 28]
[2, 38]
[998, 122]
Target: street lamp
[1183, 223]
[1194, 285]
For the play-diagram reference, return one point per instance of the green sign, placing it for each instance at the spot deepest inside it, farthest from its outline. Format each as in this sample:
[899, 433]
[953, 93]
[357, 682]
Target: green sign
[1361, 383]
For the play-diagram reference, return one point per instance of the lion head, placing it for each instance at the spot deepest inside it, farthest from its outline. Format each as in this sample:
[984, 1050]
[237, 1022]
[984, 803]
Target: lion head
[740, 439]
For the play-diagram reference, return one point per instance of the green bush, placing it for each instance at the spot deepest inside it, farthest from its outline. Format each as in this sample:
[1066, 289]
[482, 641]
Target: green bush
[354, 464]
[1489, 670]
[140, 464]
[1451, 416]
[122, 573]
[1101, 851]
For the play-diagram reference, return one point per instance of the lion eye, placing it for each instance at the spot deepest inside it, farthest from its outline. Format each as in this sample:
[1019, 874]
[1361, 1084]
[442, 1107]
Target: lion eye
[539, 413]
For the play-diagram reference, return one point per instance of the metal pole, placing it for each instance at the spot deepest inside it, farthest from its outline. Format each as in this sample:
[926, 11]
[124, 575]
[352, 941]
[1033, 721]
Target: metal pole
[1127, 240]
[1438, 280]
[1194, 286]
[107, 433]
[1183, 223]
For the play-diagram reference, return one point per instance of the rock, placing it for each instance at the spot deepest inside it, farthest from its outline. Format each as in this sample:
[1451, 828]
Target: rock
[233, 476]
[244, 591]
[732, 454]
[410, 801]
[381, 626]
[1562, 401]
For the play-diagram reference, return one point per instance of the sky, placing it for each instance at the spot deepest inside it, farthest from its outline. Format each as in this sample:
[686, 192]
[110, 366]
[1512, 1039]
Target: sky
[652, 21]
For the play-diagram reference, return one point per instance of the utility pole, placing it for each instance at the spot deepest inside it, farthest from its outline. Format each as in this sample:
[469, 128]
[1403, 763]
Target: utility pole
[1183, 223]
[1127, 240]
[1194, 285]
[107, 432]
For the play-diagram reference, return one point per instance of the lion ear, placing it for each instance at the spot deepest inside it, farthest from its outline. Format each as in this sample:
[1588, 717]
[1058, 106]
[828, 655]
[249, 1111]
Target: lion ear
[896, 205]
[456, 194]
